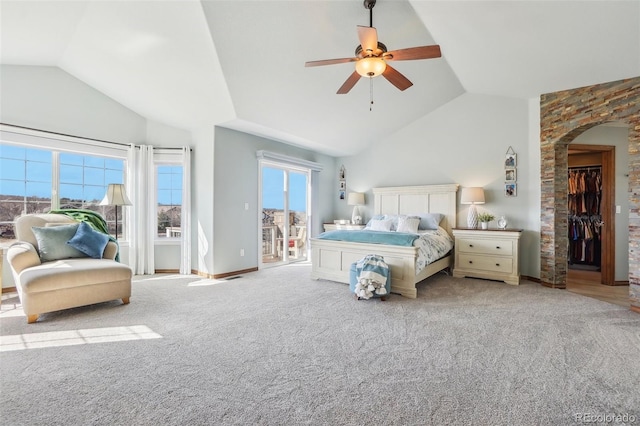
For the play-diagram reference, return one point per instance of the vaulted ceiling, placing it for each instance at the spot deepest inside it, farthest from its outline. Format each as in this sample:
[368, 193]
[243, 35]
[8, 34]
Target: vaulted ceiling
[240, 64]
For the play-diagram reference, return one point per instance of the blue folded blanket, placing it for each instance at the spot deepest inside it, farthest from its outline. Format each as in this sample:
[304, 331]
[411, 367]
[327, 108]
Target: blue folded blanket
[372, 237]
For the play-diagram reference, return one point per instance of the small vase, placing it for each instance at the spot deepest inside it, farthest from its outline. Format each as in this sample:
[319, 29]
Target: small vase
[484, 225]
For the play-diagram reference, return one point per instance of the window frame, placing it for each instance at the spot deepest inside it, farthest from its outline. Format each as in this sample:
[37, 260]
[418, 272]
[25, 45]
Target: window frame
[161, 160]
[57, 144]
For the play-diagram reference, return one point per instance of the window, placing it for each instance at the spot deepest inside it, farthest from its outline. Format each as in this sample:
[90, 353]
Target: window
[169, 184]
[30, 178]
[25, 185]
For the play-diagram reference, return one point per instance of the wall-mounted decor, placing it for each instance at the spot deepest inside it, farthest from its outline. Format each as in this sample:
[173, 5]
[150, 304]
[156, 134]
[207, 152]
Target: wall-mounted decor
[510, 173]
[342, 183]
[510, 190]
[510, 160]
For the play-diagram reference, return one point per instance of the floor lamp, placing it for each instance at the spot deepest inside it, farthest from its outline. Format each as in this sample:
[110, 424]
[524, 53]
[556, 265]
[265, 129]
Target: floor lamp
[115, 196]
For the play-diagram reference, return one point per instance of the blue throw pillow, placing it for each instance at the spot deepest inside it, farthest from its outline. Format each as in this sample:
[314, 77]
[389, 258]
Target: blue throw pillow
[429, 220]
[88, 241]
[51, 242]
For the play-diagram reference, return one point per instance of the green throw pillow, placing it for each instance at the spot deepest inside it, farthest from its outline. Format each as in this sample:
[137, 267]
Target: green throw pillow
[88, 241]
[52, 242]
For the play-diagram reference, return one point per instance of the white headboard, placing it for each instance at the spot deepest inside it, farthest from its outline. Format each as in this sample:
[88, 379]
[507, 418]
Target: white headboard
[418, 199]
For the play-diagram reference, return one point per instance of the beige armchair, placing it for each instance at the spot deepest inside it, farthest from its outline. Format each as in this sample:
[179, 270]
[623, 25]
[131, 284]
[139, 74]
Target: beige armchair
[52, 285]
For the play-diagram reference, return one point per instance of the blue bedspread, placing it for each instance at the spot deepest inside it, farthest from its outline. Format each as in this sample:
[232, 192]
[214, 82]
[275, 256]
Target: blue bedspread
[372, 237]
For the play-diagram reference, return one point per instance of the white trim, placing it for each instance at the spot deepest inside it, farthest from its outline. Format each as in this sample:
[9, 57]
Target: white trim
[44, 140]
[288, 160]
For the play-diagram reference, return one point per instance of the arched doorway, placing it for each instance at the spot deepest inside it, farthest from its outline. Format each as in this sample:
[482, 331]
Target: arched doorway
[563, 116]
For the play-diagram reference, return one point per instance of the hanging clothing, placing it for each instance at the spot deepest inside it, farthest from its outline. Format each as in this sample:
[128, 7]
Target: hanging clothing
[584, 191]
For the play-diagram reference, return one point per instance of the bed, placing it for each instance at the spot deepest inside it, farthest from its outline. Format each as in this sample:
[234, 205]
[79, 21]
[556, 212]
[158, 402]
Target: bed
[331, 260]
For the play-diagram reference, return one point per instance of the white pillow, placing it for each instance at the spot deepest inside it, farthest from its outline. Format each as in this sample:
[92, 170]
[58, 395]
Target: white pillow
[381, 224]
[408, 224]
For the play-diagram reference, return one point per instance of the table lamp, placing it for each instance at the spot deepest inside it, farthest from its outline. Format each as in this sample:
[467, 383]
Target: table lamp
[473, 196]
[355, 199]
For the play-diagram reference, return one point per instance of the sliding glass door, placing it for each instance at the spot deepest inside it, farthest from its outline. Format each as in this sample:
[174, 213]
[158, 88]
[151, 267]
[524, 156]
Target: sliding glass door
[285, 205]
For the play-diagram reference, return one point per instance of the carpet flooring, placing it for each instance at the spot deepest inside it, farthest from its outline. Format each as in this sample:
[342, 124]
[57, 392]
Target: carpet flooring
[274, 347]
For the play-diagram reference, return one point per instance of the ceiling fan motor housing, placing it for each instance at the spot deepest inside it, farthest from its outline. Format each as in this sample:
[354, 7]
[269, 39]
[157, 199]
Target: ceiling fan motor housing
[381, 50]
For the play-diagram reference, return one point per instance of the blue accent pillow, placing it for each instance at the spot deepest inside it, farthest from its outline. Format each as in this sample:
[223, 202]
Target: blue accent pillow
[429, 220]
[89, 241]
[51, 242]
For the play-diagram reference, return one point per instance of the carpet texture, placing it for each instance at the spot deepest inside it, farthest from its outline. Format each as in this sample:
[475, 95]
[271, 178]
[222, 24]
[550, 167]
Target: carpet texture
[277, 348]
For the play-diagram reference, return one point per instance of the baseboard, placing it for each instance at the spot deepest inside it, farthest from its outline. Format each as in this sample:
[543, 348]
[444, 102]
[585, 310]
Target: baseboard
[9, 289]
[230, 274]
[550, 285]
[620, 283]
[201, 274]
[166, 271]
[225, 275]
[532, 279]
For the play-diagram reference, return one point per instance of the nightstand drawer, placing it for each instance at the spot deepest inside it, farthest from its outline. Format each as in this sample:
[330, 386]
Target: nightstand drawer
[479, 246]
[486, 263]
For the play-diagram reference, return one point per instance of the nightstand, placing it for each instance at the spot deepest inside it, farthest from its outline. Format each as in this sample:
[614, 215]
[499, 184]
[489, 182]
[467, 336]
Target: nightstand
[487, 253]
[334, 226]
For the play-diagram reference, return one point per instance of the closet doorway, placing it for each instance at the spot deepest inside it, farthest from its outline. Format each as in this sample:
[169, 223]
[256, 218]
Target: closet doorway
[591, 218]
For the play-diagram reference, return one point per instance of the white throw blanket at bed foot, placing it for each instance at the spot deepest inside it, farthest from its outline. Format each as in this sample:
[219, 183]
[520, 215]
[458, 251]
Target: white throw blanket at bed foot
[372, 273]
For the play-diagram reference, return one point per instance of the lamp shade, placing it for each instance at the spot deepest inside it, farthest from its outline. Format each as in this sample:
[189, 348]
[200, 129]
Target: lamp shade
[472, 195]
[355, 199]
[115, 196]
[371, 66]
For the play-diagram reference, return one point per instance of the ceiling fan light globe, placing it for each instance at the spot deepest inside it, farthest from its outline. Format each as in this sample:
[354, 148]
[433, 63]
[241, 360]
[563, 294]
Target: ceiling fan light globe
[370, 66]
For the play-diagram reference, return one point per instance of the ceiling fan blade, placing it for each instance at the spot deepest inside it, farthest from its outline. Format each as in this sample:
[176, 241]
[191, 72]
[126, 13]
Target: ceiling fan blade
[348, 85]
[368, 40]
[421, 52]
[328, 62]
[397, 79]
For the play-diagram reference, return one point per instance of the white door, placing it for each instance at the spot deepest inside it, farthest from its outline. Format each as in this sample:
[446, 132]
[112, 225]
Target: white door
[284, 195]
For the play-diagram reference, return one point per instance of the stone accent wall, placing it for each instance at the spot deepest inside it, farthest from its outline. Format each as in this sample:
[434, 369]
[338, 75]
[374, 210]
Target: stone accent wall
[563, 116]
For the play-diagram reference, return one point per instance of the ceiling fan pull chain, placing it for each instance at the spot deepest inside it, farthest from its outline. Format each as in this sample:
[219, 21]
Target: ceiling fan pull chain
[371, 93]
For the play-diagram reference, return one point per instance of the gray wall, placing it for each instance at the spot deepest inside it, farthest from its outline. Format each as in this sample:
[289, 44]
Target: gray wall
[235, 169]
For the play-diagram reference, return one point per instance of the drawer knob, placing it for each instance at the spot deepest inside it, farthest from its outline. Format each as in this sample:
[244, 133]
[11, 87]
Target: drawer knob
[498, 247]
[470, 261]
[497, 264]
[470, 245]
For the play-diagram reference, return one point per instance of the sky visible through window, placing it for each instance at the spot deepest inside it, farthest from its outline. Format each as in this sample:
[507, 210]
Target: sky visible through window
[273, 186]
[28, 172]
[38, 172]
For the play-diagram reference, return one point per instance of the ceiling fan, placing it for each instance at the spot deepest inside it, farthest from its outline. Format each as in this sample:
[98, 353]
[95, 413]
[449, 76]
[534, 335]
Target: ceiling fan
[372, 57]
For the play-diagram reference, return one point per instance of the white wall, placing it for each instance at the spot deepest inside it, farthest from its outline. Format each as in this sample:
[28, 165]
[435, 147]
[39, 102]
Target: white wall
[618, 137]
[235, 169]
[464, 142]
